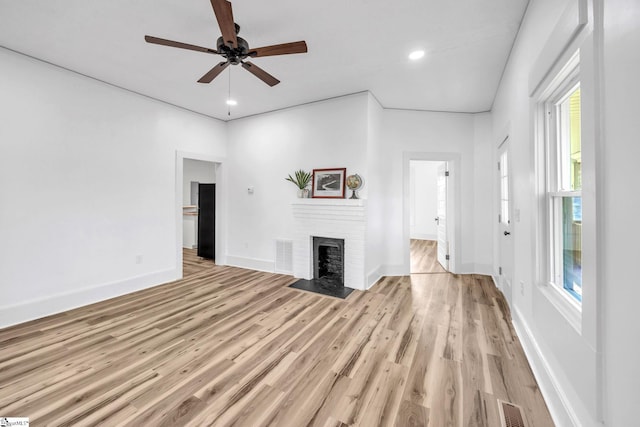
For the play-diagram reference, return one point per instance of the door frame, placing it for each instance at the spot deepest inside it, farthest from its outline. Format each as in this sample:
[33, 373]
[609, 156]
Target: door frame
[453, 205]
[221, 217]
[444, 263]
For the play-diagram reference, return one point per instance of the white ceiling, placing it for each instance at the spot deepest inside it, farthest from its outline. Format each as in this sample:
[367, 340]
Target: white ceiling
[354, 45]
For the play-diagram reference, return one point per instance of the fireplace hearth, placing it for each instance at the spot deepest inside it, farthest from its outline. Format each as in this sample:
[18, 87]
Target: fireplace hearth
[328, 268]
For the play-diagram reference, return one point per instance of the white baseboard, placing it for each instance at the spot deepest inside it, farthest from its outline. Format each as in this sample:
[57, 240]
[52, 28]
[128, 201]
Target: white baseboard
[393, 270]
[250, 263]
[468, 268]
[485, 269]
[221, 260]
[423, 236]
[374, 276]
[36, 309]
[563, 411]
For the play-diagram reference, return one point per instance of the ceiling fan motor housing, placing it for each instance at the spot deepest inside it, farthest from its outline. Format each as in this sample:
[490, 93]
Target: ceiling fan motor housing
[233, 55]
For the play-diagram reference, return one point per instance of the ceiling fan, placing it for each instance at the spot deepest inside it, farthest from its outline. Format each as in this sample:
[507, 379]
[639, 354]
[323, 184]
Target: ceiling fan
[235, 49]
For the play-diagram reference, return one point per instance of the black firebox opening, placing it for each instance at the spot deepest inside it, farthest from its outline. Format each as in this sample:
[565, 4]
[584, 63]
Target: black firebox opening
[328, 262]
[328, 269]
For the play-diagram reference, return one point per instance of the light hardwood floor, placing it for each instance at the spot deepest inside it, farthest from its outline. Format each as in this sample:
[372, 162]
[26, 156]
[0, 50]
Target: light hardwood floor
[192, 263]
[233, 347]
[424, 257]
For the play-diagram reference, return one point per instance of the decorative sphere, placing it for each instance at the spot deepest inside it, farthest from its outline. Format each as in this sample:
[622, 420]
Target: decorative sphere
[354, 182]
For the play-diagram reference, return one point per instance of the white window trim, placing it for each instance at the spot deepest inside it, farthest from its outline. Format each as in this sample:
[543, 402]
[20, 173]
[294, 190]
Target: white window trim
[564, 303]
[577, 193]
[554, 90]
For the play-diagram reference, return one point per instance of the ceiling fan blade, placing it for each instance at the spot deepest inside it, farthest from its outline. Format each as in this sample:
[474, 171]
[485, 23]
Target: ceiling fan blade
[224, 15]
[279, 49]
[213, 73]
[260, 73]
[171, 43]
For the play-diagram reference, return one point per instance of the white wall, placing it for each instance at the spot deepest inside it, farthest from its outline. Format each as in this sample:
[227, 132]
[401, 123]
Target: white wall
[424, 199]
[87, 186]
[376, 204]
[484, 177]
[439, 134]
[196, 171]
[619, 207]
[264, 149]
[564, 358]
[356, 133]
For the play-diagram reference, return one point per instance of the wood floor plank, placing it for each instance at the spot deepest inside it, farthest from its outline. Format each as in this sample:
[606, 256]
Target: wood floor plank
[256, 411]
[330, 403]
[424, 256]
[386, 399]
[411, 415]
[226, 346]
[445, 401]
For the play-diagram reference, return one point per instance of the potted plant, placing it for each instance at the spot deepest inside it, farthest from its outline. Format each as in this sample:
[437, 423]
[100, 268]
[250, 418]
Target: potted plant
[301, 179]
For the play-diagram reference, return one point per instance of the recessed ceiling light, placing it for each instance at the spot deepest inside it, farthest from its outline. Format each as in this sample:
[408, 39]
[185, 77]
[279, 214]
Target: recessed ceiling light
[416, 54]
[232, 102]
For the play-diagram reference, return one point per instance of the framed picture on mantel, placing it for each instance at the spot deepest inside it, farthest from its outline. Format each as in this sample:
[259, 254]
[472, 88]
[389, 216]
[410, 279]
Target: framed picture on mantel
[328, 183]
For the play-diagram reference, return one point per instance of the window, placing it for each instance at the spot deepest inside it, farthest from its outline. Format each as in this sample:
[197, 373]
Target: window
[564, 184]
[504, 189]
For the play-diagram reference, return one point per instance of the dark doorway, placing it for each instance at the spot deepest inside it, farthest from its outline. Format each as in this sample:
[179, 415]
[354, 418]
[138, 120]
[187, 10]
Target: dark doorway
[207, 221]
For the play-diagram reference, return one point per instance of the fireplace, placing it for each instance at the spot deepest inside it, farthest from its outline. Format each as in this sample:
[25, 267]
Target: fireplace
[328, 261]
[341, 219]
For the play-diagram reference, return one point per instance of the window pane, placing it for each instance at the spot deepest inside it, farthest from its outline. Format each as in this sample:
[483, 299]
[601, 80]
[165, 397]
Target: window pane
[504, 189]
[572, 245]
[570, 149]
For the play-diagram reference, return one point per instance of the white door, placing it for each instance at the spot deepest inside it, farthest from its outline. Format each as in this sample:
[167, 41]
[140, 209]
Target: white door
[505, 208]
[441, 219]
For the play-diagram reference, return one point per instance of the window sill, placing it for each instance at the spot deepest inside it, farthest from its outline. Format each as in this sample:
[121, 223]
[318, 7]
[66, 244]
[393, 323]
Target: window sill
[571, 310]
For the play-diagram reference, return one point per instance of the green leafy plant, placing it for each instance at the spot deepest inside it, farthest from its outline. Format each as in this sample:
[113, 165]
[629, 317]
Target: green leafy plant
[301, 180]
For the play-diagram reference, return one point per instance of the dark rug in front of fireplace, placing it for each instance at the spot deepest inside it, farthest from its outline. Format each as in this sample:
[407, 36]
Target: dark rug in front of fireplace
[324, 287]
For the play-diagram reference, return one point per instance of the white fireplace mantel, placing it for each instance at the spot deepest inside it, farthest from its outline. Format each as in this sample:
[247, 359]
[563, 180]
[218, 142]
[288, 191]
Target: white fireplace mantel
[330, 202]
[333, 218]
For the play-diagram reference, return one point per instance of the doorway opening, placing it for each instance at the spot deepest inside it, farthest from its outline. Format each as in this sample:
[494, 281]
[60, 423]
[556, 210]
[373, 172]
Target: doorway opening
[429, 242]
[198, 178]
[440, 224]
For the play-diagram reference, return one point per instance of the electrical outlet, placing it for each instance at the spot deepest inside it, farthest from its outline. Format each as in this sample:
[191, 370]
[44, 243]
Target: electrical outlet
[138, 259]
[522, 288]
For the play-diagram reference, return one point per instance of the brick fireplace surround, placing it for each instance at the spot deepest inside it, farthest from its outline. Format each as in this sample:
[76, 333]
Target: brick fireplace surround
[332, 218]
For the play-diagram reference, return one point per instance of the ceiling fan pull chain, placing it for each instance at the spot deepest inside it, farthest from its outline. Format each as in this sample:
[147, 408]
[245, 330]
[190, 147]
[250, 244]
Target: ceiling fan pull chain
[229, 96]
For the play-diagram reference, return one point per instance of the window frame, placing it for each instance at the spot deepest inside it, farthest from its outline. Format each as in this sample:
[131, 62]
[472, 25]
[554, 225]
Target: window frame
[557, 190]
[550, 192]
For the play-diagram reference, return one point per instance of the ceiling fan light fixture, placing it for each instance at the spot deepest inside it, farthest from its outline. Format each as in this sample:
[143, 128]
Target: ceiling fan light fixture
[232, 102]
[416, 54]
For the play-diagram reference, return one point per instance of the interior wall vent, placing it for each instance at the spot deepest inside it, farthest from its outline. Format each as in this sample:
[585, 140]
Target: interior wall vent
[511, 415]
[284, 256]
